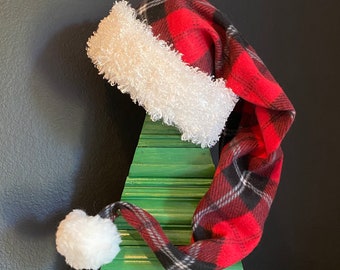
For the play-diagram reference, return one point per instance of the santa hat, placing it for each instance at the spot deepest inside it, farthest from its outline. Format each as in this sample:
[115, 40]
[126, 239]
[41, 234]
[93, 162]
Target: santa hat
[186, 64]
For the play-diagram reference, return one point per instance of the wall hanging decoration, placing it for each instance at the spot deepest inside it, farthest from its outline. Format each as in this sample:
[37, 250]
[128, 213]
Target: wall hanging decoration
[189, 67]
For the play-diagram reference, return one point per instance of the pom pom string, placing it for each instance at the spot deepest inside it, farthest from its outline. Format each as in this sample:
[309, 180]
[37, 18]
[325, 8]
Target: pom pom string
[110, 211]
[153, 234]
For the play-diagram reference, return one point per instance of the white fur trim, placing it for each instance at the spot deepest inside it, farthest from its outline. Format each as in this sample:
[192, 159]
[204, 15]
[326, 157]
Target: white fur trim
[125, 51]
[87, 242]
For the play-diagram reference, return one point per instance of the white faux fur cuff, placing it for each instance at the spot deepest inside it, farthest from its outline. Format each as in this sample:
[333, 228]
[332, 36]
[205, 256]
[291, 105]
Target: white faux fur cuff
[127, 54]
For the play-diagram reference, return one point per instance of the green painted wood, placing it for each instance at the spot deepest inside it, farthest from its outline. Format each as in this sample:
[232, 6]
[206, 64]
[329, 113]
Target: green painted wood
[149, 264]
[139, 262]
[171, 170]
[155, 140]
[172, 217]
[181, 156]
[184, 193]
[172, 182]
[177, 235]
[150, 127]
[166, 175]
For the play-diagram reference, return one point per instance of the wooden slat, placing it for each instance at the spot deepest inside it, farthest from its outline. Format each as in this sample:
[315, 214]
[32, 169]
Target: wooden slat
[181, 237]
[155, 140]
[158, 128]
[169, 193]
[175, 155]
[171, 170]
[166, 173]
[163, 181]
[141, 257]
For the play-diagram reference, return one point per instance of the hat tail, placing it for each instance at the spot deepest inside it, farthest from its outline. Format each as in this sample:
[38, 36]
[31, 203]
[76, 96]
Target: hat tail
[170, 256]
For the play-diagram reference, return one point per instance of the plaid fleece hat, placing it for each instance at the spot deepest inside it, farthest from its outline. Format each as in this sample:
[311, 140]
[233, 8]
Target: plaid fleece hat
[186, 64]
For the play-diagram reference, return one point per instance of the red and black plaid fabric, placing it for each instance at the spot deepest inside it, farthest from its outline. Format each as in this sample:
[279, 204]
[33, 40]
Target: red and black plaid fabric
[228, 222]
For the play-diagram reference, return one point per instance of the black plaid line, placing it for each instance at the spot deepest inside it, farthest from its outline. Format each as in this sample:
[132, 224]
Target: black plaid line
[172, 258]
[254, 184]
[152, 11]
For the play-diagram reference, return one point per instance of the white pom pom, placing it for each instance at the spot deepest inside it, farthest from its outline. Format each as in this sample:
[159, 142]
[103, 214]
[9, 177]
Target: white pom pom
[87, 242]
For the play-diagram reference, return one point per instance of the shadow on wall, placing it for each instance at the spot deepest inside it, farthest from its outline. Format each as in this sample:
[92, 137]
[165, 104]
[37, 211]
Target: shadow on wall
[104, 122]
[111, 125]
